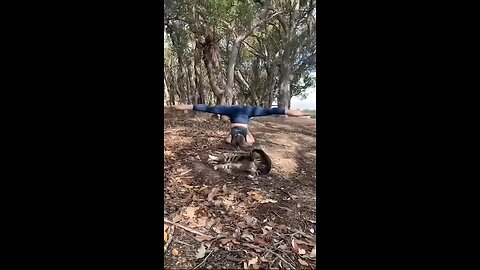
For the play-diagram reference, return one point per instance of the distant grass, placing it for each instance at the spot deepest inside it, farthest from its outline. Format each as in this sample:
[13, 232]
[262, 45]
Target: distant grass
[312, 113]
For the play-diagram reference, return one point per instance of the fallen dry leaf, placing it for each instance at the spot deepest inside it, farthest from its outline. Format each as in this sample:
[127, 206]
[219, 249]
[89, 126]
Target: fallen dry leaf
[302, 251]
[174, 252]
[165, 234]
[201, 238]
[268, 201]
[294, 246]
[217, 229]
[201, 222]
[212, 194]
[190, 211]
[260, 241]
[225, 240]
[228, 203]
[200, 252]
[237, 233]
[302, 262]
[313, 253]
[263, 259]
[255, 247]
[301, 242]
[177, 218]
[253, 261]
[210, 223]
[242, 224]
[255, 195]
[283, 228]
[251, 221]
[248, 236]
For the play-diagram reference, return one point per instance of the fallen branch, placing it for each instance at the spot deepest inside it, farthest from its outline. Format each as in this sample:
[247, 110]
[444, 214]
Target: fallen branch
[280, 257]
[180, 242]
[186, 228]
[286, 192]
[204, 260]
[259, 249]
[285, 253]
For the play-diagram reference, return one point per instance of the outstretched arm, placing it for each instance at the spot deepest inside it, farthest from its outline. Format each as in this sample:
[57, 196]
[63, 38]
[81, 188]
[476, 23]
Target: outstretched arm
[183, 107]
[259, 111]
[294, 112]
[223, 110]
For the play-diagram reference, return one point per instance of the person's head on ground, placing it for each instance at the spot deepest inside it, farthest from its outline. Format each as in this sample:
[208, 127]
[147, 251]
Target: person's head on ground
[239, 140]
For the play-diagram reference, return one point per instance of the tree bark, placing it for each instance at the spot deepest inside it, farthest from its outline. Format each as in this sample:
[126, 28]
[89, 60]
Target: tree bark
[284, 87]
[166, 89]
[271, 74]
[211, 58]
[199, 76]
[232, 59]
[191, 76]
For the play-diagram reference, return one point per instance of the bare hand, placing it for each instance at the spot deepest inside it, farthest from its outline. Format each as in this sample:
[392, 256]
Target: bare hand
[294, 112]
[183, 107]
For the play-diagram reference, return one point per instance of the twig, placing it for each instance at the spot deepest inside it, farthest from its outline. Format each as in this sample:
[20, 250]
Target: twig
[300, 233]
[271, 263]
[276, 214]
[285, 208]
[285, 253]
[286, 192]
[180, 242]
[186, 228]
[267, 250]
[170, 238]
[280, 257]
[204, 260]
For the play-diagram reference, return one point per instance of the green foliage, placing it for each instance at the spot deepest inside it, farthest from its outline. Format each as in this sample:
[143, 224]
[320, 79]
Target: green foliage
[267, 48]
[299, 88]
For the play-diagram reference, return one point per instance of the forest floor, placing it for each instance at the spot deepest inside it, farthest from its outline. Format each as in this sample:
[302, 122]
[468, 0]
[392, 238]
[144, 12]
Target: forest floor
[214, 220]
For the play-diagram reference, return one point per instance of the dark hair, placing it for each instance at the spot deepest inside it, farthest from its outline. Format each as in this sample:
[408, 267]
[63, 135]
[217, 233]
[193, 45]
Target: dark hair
[239, 140]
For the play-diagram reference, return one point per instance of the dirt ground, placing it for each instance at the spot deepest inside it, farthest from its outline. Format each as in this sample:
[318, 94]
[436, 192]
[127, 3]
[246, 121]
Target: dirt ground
[215, 220]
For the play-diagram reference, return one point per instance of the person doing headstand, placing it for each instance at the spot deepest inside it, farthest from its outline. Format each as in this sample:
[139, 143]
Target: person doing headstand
[239, 118]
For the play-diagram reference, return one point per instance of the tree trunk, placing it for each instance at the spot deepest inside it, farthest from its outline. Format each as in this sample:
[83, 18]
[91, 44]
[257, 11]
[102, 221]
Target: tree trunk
[166, 94]
[284, 89]
[180, 84]
[271, 73]
[232, 59]
[173, 87]
[191, 76]
[211, 58]
[199, 76]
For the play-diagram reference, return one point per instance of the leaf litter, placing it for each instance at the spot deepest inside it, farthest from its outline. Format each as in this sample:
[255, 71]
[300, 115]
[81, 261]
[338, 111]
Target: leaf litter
[222, 216]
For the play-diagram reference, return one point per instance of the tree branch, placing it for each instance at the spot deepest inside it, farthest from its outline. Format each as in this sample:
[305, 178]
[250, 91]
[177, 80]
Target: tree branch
[252, 29]
[311, 60]
[255, 51]
[239, 77]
